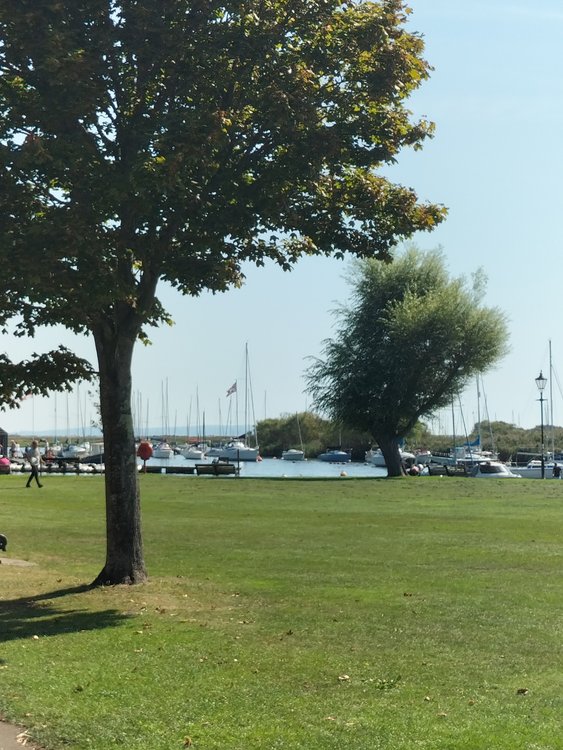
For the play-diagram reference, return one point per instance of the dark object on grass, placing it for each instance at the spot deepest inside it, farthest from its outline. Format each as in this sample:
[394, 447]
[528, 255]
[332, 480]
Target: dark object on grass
[3, 542]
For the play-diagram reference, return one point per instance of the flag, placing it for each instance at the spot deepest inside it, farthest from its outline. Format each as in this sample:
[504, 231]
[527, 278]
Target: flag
[232, 389]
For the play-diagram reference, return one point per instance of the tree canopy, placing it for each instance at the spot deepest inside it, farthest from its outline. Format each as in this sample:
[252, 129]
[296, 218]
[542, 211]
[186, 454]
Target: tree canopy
[177, 140]
[407, 343]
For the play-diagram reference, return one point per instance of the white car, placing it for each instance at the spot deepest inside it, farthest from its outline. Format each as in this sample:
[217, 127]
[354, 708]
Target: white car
[492, 470]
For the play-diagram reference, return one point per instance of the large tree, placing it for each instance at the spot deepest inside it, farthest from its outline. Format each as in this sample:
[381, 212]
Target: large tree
[407, 343]
[177, 140]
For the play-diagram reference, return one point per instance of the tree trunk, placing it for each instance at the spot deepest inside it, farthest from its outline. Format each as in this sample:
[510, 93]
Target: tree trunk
[124, 555]
[390, 449]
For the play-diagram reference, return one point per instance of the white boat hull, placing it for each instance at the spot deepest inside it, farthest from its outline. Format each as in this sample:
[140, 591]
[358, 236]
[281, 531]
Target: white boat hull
[192, 454]
[293, 454]
[238, 453]
[492, 470]
[162, 451]
[235, 450]
[213, 452]
[74, 451]
[376, 458]
[533, 470]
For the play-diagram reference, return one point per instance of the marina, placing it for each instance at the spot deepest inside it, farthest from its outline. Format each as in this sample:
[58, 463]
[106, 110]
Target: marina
[266, 468]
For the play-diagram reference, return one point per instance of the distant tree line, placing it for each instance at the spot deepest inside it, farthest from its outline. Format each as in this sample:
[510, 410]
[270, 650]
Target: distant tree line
[314, 434]
[310, 432]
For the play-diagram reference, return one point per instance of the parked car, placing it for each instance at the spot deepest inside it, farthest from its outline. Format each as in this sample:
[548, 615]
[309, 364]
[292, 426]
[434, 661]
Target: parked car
[493, 470]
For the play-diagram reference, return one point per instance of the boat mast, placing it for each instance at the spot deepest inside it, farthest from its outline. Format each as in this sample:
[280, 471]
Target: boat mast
[551, 400]
[299, 431]
[478, 412]
[453, 431]
[55, 435]
[245, 391]
[188, 421]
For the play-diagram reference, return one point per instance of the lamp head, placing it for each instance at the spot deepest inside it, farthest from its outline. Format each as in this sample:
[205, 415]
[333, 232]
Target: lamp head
[541, 382]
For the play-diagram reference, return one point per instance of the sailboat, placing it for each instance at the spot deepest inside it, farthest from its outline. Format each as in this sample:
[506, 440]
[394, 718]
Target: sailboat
[163, 449]
[195, 451]
[295, 454]
[192, 452]
[237, 449]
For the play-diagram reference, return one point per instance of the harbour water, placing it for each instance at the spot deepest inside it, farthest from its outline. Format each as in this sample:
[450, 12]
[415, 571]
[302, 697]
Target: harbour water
[274, 467]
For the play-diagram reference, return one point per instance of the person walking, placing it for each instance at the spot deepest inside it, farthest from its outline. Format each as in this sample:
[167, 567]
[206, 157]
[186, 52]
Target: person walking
[34, 458]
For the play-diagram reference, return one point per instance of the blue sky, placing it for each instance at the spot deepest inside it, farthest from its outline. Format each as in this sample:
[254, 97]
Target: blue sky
[496, 161]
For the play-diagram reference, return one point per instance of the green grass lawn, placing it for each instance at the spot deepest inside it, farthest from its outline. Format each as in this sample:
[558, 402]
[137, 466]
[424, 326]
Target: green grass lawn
[416, 614]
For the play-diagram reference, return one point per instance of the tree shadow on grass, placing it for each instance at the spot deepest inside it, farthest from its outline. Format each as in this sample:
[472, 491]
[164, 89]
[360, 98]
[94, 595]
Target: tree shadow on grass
[37, 616]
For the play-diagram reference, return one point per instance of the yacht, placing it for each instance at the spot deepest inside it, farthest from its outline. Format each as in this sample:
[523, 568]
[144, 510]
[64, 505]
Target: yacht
[194, 452]
[162, 450]
[336, 456]
[375, 456]
[236, 450]
[293, 454]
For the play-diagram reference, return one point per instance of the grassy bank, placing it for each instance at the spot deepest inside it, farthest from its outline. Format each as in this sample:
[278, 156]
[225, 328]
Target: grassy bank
[288, 614]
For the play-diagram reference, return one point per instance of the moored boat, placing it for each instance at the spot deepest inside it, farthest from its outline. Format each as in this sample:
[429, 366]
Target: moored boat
[236, 450]
[74, 450]
[193, 452]
[293, 454]
[462, 456]
[375, 456]
[163, 450]
[532, 470]
[336, 456]
[492, 470]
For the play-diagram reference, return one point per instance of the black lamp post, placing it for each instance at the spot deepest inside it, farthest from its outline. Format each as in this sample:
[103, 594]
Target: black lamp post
[541, 382]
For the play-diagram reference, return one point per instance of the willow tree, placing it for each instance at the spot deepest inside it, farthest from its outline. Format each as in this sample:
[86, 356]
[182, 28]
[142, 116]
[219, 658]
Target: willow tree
[178, 140]
[408, 342]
